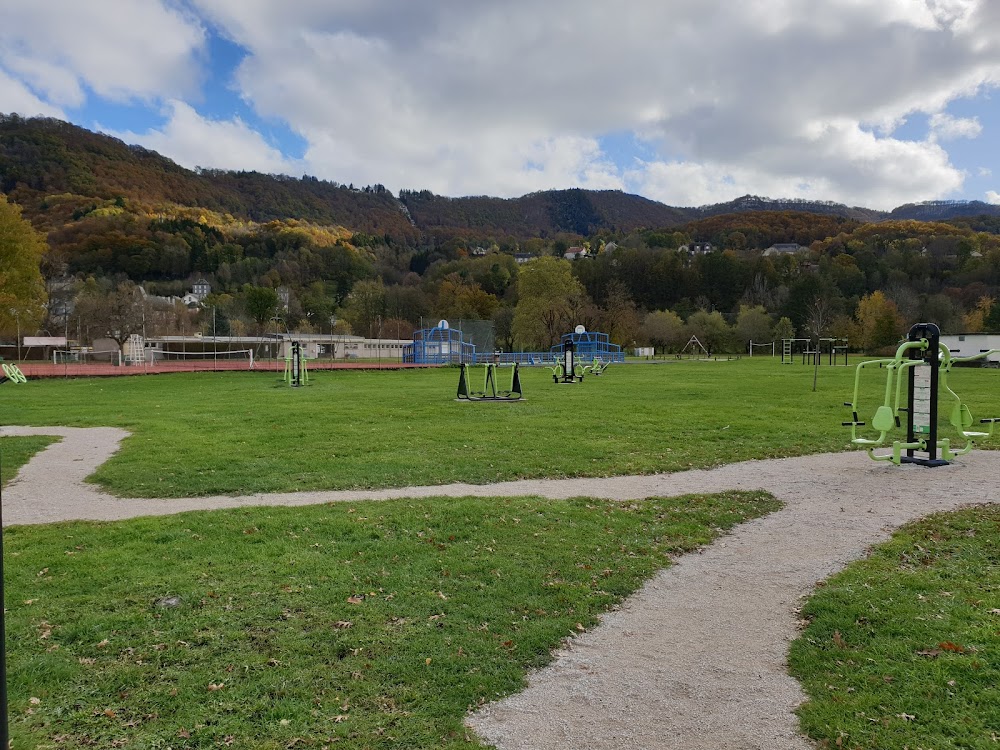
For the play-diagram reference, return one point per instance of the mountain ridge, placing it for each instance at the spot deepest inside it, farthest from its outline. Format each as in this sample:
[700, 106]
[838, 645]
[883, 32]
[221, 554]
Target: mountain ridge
[42, 156]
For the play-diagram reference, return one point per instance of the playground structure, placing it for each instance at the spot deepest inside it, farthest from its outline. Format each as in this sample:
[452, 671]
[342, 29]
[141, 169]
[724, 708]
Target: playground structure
[490, 392]
[835, 350]
[761, 346]
[296, 367]
[588, 345]
[695, 346]
[926, 363]
[440, 345]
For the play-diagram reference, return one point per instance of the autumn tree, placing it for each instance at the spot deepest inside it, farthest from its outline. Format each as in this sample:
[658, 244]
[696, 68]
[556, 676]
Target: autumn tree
[364, 306]
[619, 318]
[711, 329]
[547, 294]
[664, 330]
[22, 290]
[458, 299]
[115, 313]
[974, 321]
[753, 324]
[503, 328]
[261, 304]
[879, 322]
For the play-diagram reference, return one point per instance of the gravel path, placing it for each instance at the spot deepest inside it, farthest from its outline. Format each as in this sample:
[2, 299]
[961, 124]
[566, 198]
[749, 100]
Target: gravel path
[696, 658]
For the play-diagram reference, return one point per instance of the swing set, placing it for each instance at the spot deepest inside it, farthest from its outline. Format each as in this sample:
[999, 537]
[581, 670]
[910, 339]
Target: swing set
[926, 364]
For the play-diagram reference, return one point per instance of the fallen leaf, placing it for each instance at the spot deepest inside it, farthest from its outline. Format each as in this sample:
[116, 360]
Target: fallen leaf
[427, 660]
[182, 732]
[212, 687]
[905, 716]
[340, 718]
[34, 701]
[343, 624]
[838, 641]
[355, 599]
[954, 647]
[932, 653]
[103, 643]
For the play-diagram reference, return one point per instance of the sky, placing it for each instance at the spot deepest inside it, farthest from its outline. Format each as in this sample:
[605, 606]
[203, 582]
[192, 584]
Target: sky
[871, 103]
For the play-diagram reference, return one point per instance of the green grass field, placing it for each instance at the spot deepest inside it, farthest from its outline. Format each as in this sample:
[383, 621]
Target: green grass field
[903, 649]
[379, 625]
[216, 433]
[369, 625]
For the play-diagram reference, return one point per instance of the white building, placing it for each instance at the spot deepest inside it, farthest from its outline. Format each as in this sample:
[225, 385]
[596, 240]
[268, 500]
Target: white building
[970, 344]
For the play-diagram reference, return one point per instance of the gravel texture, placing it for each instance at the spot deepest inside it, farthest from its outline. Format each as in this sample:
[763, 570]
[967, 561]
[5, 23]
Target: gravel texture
[696, 658]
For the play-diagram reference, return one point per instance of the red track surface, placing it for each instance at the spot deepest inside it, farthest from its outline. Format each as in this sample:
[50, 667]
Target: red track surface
[76, 369]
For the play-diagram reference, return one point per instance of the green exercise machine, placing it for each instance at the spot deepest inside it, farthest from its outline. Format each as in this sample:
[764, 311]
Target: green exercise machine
[490, 391]
[924, 363]
[567, 369]
[296, 368]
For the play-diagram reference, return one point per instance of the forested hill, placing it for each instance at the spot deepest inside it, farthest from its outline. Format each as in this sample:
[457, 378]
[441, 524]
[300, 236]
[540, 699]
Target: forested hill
[42, 156]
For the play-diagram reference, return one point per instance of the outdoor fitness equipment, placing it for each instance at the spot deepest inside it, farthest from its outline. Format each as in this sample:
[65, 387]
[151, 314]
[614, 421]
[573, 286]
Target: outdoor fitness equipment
[296, 369]
[566, 369]
[597, 367]
[926, 363]
[11, 374]
[489, 392]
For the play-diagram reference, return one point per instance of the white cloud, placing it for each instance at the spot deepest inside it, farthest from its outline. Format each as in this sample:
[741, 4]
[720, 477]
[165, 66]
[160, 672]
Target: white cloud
[194, 141]
[944, 127]
[992, 196]
[121, 50]
[16, 97]
[776, 97]
[984, 172]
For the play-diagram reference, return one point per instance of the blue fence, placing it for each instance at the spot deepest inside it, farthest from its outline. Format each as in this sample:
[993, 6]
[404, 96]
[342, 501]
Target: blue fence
[588, 345]
[440, 346]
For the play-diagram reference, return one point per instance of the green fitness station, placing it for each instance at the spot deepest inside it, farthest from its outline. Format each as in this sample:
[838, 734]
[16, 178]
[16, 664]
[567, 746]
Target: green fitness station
[490, 391]
[925, 364]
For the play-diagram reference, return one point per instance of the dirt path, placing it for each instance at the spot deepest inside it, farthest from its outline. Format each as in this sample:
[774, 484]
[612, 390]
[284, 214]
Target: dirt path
[695, 659]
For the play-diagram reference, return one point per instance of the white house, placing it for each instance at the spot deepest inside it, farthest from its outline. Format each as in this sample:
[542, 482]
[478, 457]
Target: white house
[784, 248]
[575, 253]
[970, 344]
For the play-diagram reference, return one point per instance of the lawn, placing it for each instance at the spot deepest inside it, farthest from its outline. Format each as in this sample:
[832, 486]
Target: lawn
[368, 625]
[374, 625]
[903, 648]
[238, 433]
[15, 452]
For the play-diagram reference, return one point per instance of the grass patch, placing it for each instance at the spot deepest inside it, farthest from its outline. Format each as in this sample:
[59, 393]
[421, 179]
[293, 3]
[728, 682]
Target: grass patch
[237, 433]
[16, 451]
[368, 625]
[903, 648]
